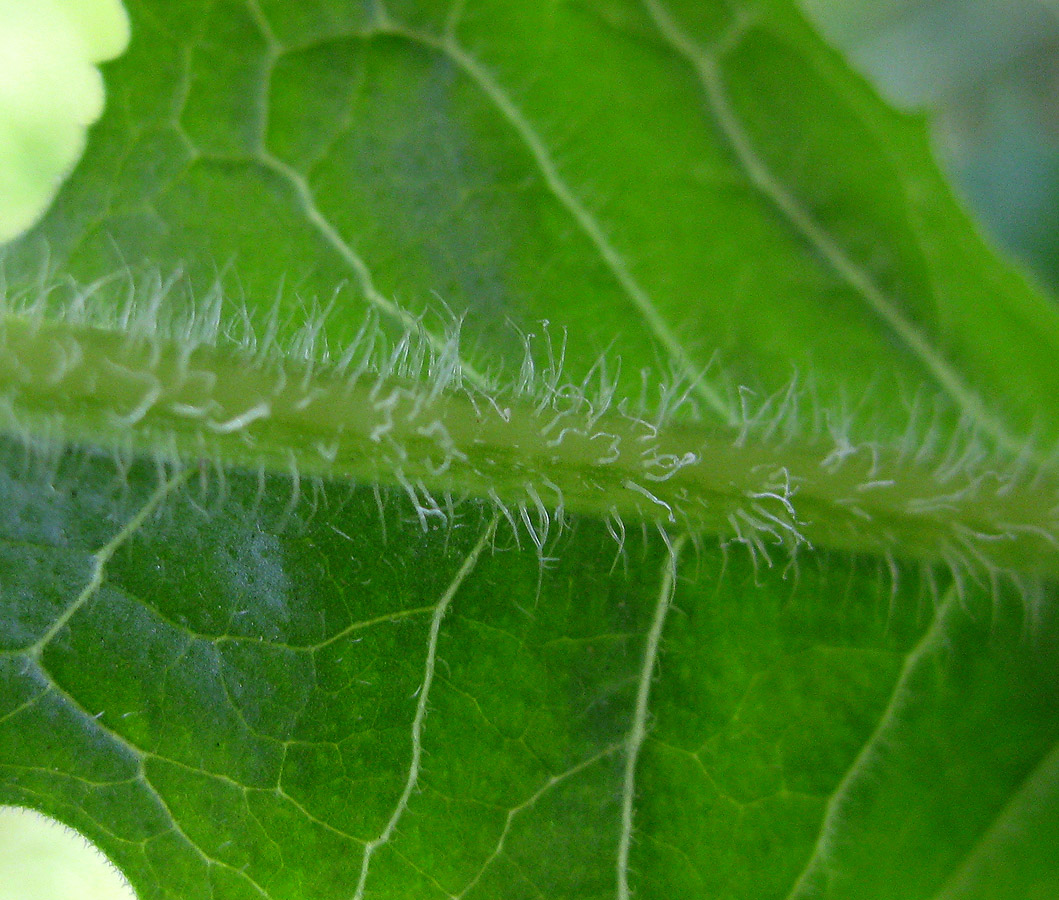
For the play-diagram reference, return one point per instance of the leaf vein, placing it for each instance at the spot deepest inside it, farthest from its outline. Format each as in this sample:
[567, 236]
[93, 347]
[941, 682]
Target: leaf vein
[833, 812]
[140, 756]
[1049, 762]
[102, 556]
[528, 803]
[638, 730]
[614, 261]
[421, 706]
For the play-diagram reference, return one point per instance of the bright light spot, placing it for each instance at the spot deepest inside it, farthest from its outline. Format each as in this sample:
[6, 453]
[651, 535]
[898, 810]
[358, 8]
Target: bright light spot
[50, 92]
[41, 859]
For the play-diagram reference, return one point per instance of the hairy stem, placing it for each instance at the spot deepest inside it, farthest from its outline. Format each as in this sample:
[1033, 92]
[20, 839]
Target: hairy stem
[533, 452]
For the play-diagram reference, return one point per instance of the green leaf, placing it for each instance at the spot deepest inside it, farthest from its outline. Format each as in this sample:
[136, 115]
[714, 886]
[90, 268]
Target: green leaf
[496, 615]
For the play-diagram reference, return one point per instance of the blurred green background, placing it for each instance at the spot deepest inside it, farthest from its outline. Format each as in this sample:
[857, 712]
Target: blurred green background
[987, 73]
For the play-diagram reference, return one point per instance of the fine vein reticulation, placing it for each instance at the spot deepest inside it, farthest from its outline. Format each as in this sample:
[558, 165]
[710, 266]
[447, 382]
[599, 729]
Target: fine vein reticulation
[419, 418]
[421, 707]
[37, 670]
[816, 866]
[102, 556]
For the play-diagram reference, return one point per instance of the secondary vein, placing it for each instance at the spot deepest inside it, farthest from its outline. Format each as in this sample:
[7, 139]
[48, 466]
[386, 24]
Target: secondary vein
[638, 730]
[419, 719]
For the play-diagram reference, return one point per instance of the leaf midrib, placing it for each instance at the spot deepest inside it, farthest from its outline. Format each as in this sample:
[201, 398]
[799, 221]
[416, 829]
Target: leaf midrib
[409, 420]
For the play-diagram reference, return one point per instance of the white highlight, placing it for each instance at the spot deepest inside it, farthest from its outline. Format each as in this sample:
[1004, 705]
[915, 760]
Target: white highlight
[237, 423]
[42, 859]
